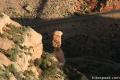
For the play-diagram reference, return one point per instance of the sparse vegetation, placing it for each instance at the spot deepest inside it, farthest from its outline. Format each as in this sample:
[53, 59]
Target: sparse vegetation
[48, 61]
[26, 75]
[12, 68]
[16, 34]
[4, 74]
[1, 15]
[29, 75]
[13, 53]
[50, 68]
[85, 8]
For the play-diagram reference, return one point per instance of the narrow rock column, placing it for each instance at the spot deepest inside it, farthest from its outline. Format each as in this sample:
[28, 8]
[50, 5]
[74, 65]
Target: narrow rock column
[58, 52]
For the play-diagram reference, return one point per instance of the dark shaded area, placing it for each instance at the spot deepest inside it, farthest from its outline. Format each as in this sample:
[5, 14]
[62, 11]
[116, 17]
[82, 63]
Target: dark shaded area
[91, 42]
[72, 73]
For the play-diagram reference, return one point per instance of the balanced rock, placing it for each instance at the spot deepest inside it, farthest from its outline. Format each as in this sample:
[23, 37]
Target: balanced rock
[57, 39]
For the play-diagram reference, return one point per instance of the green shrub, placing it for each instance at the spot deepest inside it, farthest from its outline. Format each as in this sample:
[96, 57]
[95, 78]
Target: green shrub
[50, 67]
[16, 34]
[12, 53]
[29, 75]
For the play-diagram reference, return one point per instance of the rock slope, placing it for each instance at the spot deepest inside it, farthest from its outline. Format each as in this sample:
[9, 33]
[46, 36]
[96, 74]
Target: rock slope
[18, 46]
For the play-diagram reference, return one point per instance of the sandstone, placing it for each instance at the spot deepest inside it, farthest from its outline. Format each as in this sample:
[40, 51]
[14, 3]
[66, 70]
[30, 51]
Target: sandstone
[23, 61]
[6, 43]
[57, 39]
[5, 20]
[12, 77]
[34, 40]
[4, 60]
[16, 66]
[58, 52]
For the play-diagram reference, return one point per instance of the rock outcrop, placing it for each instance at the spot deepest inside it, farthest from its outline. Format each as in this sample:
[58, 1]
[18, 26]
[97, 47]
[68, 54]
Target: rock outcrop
[4, 60]
[34, 40]
[58, 52]
[5, 20]
[19, 46]
[57, 39]
[7, 44]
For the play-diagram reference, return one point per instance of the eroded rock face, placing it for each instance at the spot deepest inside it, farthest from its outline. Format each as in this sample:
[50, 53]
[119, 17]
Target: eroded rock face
[31, 39]
[34, 40]
[5, 20]
[4, 60]
[23, 61]
[6, 43]
[18, 46]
